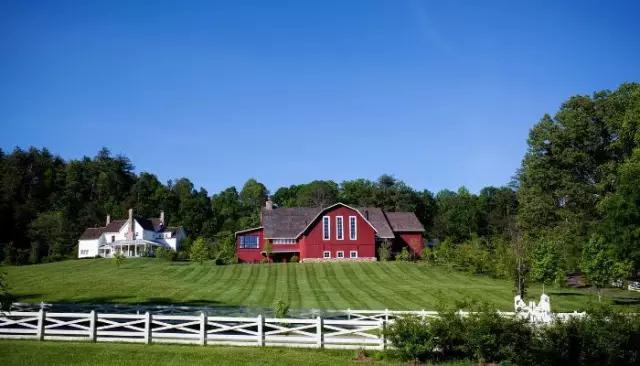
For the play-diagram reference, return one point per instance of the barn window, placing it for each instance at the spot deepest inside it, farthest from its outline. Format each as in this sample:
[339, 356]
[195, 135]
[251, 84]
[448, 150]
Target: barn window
[353, 254]
[326, 228]
[339, 228]
[340, 254]
[326, 254]
[353, 228]
[283, 241]
[249, 242]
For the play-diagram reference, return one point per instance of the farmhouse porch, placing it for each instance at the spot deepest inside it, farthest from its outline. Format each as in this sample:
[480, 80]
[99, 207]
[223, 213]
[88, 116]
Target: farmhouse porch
[129, 248]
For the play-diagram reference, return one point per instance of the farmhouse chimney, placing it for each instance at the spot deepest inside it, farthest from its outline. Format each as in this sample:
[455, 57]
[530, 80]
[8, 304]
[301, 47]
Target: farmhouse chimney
[162, 217]
[269, 204]
[131, 227]
[108, 220]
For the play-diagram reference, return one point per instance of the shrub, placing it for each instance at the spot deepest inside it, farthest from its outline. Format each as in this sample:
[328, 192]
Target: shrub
[118, 259]
[384, 251]
[411, 338]
[199, 251]
[600, 338]
[404, 255]
[6, 298]
[280, 309]
[295, 259]
[166, 254]
[265, 260]
[182, 255]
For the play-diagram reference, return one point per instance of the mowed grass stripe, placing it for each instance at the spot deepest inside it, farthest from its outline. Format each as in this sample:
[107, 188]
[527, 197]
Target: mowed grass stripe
[305, 285]
[321, 297]
[339, 284]
[360, 291]
[293, 292]
[386, 294]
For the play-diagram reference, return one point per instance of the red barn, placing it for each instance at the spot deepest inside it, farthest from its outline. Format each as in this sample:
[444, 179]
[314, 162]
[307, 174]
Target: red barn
[337, 232]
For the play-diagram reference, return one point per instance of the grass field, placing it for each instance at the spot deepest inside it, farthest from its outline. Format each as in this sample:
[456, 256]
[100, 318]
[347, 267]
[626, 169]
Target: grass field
[75, 353]
[393, 285]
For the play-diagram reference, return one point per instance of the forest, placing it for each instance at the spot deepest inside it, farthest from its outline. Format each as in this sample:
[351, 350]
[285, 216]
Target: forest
[573, 205]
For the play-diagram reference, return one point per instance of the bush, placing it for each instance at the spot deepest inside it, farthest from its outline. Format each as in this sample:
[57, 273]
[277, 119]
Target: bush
[404, 255]
[199, 251]
[182, 255]
[384, 251]
[295, 259]
[265, 260]
[280, 309]
[166, 254]
[601, 338]
[411, 338]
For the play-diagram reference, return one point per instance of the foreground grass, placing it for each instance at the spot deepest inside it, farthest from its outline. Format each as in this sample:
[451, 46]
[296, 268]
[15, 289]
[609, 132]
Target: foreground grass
[76, 353]
[392, 285]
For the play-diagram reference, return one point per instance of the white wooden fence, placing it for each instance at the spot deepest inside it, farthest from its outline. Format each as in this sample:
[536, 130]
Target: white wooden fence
[201, 329]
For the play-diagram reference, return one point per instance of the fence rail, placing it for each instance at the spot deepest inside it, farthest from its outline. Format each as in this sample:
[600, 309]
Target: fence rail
[202, 329]
[350, 329]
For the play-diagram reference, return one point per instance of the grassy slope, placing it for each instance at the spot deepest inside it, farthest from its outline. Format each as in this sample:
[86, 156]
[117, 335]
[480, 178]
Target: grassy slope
[390, 285]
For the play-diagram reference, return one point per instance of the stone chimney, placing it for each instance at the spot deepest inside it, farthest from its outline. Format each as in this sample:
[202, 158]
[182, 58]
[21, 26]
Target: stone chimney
[131, 226]
[108, 220]
[269, 204]
[162, 217]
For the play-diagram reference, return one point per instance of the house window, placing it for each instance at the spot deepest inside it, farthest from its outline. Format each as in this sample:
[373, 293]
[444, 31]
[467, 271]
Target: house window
[326, 254]
[326, 228]
[353, 254]
[339, 228]
[340, 254]
[249, 242]
[353, 228]
[113, 238]
[283, 241]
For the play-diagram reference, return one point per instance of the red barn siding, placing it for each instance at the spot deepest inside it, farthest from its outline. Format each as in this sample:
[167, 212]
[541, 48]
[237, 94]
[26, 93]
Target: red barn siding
[312, 244]
[413, 241]
[250, 255]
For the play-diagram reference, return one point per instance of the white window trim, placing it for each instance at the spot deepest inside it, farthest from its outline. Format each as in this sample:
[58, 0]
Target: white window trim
[326, 235]
[351, 252]
[341, 227]
[338, 253]
[353, 235]
[326, 254]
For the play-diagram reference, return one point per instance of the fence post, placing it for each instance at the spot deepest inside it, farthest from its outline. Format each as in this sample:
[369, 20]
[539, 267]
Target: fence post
[93, 328]
[349, 314]
[147, 328]
[320, 341]
[203, 329]
[261, 336]
[383, 328]
[41, 325]
[386, 315]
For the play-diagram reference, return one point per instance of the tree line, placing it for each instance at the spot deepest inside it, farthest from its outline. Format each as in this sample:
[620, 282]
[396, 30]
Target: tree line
[573, 204]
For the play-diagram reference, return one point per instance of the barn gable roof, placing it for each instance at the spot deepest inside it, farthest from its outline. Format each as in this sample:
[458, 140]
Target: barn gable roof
[291, 222]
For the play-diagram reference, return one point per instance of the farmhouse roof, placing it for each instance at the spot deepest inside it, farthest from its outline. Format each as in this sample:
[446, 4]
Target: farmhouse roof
[151, 224]
[289, 222]
[92, 233]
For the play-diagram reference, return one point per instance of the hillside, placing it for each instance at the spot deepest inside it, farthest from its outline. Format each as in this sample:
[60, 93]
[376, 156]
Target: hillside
[393, 285]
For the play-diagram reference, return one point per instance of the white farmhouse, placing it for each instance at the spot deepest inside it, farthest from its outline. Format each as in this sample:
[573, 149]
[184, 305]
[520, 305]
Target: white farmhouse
[133, 237]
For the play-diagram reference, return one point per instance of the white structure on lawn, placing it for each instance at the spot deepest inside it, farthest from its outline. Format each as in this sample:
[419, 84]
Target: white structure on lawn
[133, 237]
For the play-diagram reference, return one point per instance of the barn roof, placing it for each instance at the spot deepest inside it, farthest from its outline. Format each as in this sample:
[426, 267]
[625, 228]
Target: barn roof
[404, 221]
[289, 222]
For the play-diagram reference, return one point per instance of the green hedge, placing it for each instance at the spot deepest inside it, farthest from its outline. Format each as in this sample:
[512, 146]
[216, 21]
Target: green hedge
[600, 338]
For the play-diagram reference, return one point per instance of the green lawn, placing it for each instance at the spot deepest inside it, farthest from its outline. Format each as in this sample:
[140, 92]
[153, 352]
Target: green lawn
[77, 353]
[393, 285]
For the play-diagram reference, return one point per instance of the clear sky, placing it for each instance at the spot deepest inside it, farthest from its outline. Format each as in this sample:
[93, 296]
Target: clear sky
[439, 93]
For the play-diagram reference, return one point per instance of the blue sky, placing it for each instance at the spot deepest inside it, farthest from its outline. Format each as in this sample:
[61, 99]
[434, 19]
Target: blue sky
[440, 94]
